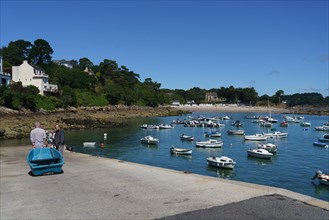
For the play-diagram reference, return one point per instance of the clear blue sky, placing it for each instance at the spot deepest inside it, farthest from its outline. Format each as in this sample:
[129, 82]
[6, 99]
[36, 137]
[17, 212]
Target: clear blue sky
[269, 45]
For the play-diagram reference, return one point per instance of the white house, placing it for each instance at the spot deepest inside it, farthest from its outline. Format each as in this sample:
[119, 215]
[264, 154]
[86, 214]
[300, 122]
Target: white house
[4, 77]
[30, 74]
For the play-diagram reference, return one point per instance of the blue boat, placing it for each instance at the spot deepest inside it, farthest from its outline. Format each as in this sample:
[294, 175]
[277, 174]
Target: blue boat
[320, 144]
[44, 161]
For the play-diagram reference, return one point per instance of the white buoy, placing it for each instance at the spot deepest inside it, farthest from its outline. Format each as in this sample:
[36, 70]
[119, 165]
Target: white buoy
[105, 136]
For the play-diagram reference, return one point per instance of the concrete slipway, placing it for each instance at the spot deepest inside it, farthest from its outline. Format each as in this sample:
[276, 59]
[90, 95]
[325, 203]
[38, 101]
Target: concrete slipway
[101, 188]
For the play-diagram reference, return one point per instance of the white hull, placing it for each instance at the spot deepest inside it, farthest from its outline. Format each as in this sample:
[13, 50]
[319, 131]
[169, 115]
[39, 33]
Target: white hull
[209, 144]
[256, 137]
[221, 162]
[180, 151]
[89, 144]
[150, 140]
[260, 153]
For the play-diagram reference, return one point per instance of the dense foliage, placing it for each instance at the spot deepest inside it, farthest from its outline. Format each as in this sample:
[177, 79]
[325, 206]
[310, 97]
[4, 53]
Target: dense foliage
[88, 84]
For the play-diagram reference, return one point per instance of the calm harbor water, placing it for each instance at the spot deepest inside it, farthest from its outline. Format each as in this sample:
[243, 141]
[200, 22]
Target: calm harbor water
[291, 168]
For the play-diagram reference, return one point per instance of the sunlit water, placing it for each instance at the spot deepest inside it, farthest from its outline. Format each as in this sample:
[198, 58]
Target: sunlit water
[291, 168]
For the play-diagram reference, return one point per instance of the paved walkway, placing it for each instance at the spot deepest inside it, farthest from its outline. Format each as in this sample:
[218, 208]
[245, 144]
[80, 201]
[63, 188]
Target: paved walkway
[101, 188]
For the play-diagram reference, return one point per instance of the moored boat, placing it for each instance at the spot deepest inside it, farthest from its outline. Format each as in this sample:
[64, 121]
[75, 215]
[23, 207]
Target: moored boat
[323, 178]
[45, 161]
[259, 153]
[184, 137]
[149, 140]
[235, 132]
[162, 126]
[305, 124]
[276, 134]
[272, 148]
[221, 162]
[211, 143]
[255, 137]
[320, 144]
[89, 144]
[214, 134]
[180, 151]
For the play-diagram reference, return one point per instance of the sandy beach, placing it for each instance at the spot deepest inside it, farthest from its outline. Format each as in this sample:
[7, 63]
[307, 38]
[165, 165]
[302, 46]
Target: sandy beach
[229, 108]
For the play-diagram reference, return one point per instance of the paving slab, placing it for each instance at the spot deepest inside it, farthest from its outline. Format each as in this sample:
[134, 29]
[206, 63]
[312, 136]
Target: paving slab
[102, 188]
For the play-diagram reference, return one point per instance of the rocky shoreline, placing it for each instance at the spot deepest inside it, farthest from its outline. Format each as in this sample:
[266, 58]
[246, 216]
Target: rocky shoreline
[18, 124]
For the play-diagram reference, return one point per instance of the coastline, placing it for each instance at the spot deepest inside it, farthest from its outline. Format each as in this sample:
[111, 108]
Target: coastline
[229, 108]
[15, 124]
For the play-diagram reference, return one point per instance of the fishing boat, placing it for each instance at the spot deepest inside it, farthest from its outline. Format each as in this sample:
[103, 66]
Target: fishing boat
[184, 137]
[43, 161]
[272, 148]
[259, 153]
[180, 151]
[149, 140]
[323, 178]
[213, 134]
[255, 137]
[221, 162]
[235, 132]
[89, 144]
[211, 143]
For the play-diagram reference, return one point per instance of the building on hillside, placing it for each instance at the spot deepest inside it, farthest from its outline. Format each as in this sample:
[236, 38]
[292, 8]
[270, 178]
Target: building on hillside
[211, 97]
[190, 102]
[5, 77]
[175, 103]
[66, 63]
[30, 74]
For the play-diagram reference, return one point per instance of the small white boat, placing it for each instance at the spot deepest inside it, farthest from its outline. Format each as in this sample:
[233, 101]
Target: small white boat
[323, 178]
[275, 134]
[260, 153]
[255, 137]
[149, 140]
[322, 128]
[146, 126]
[212, 143]
[162, 126]
[305, 124]
[235, 132]
[214, 134]
[184, 137]
[272, 148]
[221, 162]
[89, 144]
[180, 151]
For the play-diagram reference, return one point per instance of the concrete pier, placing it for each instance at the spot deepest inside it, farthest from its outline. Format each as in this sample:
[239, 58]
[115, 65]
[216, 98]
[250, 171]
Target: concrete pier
[101, 188]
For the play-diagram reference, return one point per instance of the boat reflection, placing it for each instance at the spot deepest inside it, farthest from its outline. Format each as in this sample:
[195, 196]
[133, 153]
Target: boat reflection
[222, 172]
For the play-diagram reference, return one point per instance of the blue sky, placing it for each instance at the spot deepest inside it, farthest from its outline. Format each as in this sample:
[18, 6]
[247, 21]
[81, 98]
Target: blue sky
[269, 45]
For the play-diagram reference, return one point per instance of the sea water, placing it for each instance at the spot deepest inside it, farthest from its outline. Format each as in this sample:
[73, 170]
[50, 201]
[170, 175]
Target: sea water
[292, 167]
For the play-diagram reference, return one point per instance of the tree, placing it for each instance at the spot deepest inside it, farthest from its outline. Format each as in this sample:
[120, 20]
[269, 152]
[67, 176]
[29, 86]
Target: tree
[85, 62]
[17, 52]
[41, 52]
[277, 96]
